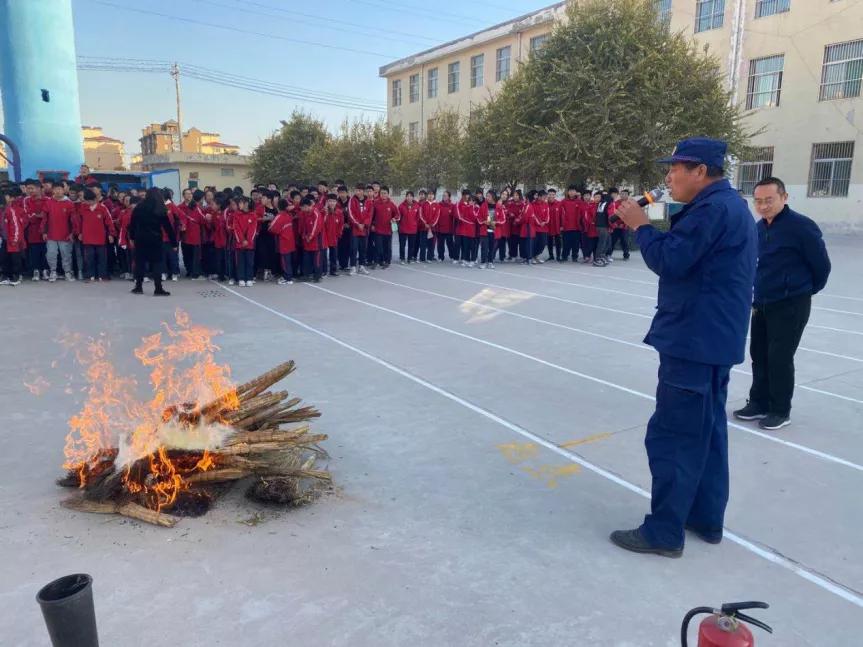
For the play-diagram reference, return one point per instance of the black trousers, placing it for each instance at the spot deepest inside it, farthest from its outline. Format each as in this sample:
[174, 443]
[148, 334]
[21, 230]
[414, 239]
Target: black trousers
[149, 256]
[384, 248]
[776, 331]
[426, 246]
[333, 253]
[554, 246]
[621, 235]
[444, 242]
[571, 242]
[346, 241]
[514, 242]
[11, 264]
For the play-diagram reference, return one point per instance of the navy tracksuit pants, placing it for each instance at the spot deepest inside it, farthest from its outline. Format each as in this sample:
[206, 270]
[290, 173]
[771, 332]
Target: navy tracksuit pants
[687, 448]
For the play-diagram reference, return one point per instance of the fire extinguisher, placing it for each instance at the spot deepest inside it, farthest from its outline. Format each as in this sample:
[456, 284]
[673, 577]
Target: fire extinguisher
[724, 627]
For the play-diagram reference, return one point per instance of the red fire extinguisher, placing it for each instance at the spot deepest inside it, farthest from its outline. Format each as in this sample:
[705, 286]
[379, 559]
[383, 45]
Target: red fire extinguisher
[724, 627]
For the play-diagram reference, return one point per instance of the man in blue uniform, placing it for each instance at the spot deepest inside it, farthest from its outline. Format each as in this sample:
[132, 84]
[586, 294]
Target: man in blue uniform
[706, 267]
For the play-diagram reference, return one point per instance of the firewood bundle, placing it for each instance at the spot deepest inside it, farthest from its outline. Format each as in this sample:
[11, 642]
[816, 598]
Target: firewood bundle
[264, 436]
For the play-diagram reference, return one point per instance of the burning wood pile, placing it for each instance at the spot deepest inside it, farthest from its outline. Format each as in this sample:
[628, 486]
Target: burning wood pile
[155, 461]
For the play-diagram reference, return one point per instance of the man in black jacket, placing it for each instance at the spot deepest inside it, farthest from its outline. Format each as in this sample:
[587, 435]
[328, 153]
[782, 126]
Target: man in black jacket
[792, 266]
[149, 220]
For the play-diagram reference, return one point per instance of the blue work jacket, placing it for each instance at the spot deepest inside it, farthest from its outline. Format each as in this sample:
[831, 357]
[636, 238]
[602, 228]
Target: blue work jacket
[706, 268]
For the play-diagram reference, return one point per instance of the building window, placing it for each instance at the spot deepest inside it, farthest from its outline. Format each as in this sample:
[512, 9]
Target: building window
[537, 42]
[709, 14]
[227, 172]
[830, 173]
[397, 93]
[501, 65]
[414, 88]
[432, 83]
[429, 126]
[842, 71]
[452, 71]
[477, 75]
[413, 132]
[663, 11]
[765, 82]
[769, 7]
[755, 169]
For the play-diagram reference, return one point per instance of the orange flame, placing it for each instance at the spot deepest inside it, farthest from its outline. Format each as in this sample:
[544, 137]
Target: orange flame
[183, 375]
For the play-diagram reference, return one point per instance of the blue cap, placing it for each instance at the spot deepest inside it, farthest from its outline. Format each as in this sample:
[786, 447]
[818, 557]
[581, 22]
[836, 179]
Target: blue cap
[701, 150]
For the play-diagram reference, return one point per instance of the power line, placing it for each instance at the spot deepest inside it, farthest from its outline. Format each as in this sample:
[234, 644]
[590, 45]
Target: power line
[134, 64]
[212, 76]
[234, 29]
[418, 11]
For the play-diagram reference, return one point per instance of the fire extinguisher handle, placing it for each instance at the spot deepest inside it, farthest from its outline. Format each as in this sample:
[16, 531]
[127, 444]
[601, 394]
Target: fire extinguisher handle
[754, 622]
[730, 608]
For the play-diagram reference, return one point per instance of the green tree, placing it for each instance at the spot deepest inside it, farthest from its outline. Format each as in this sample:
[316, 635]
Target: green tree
[438, 157]
[282, 157]
[603, 99]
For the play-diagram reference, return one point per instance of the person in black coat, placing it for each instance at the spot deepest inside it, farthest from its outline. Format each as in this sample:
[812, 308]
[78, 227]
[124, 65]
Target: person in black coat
[149, 220]
[792, 266]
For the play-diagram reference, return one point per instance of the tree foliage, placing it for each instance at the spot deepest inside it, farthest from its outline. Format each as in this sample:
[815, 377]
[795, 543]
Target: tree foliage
[602, 100]
[282, 157]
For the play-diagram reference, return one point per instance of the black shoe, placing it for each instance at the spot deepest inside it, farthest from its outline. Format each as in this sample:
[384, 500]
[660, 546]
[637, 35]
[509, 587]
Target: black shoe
[334, 273]
[137, 290]
[633, 540]
[774, 421]
[750, 412]
[709, 537]
[161, 293]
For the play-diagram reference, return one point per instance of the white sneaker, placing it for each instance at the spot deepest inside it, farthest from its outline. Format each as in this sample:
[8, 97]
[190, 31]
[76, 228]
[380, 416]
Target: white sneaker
[363, 270]
[5, 282]
[231, 282]
[455, 262]
[52, 277]
[165, 277]
[471, 264]
[282, 280]
[36, 275]
[491, 266]
[250, 283]
[80, 276]
[46, 274]
[401, 262]
[352, 271]
[482, 266]
[175, 278]
[14, 283]
[609, 259]
[70, 277]
[241, 284]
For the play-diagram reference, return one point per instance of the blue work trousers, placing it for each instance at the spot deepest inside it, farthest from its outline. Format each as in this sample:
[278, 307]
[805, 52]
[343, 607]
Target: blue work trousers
[687, 448]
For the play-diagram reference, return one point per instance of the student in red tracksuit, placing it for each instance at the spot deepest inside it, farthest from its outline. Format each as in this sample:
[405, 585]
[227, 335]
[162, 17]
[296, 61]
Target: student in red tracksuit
[346, 236]
[34, 211]
[534, 227]
[465, 227]
[282, 227]
[219, 238]
[426, 227]
[589, 234]
[123, 243]
[570, 223]
[408, 226]
[171, 260]
[313, 235]
[192, 218]
[384, 214]
[515, 211]
[501, 230]
[95, 231]
[358, 217]
[333, 224]
[58, 229]
[230, 263]
[487, 215]
[245, 231]
[554, 239]
[13, 239]
[619, 231]
[371, 241]
[445, 229]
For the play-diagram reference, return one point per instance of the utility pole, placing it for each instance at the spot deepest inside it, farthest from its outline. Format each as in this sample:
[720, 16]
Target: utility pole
[175, 73]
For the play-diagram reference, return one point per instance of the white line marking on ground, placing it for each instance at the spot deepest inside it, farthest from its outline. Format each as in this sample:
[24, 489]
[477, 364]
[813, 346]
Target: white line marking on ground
[579, 285]
[841, 312]
[765, 552]
[589, 305]
[842, 330]
[613, 385]
[615, 340]
[839, 296]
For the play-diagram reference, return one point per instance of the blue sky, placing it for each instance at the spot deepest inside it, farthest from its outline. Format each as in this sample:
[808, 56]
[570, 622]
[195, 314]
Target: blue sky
[123, 102]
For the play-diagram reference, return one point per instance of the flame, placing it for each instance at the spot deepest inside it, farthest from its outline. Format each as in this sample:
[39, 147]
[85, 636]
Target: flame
[116, 427]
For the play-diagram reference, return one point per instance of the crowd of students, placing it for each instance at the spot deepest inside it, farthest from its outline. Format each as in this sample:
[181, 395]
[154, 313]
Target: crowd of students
[72, 230]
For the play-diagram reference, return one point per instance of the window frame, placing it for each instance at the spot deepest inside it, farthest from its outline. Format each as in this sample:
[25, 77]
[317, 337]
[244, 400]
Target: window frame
[715, 19]
[777, 6]
[761, 162]
[396, 97]
[477, 70]
[833, 160]
[537, 42]
[753, 77]
[432, 77]
[824, 93]
[501, 74]
[413, 132]
[414, 88]
[453, 77]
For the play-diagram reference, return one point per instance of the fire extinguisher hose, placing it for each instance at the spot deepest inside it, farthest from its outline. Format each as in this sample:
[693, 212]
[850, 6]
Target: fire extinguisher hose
[684, 628]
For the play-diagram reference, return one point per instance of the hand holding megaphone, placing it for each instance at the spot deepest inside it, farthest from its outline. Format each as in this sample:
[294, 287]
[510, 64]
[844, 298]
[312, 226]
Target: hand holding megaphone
[632, 211]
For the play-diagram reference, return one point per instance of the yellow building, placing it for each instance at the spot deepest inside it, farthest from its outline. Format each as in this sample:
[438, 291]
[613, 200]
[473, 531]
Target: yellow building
[157, 139]
[199, 170]
[794, 66]
[102, 153]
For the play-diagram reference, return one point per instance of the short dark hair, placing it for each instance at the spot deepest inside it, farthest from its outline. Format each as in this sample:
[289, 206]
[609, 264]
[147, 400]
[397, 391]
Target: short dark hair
[775, 181]
[384, 187]
[409, 193]
[283, 204]
[89, 194]
[712, 171]
[306, 201]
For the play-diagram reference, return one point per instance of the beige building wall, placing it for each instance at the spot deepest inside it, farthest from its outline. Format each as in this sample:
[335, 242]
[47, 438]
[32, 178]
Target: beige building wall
[102, 153]
[201, 170]
[800, 120]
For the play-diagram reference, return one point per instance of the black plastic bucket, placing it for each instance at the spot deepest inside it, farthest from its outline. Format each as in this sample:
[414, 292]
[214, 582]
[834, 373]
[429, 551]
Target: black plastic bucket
[67, 606]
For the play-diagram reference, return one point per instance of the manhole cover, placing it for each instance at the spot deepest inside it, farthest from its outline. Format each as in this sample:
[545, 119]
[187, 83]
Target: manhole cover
[211, 294]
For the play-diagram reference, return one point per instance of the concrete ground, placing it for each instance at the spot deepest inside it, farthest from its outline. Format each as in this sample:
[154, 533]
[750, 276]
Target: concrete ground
[486, 436]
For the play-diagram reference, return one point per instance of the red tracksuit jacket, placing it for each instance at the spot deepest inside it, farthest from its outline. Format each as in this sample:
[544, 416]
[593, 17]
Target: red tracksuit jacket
[617, 224]
[554, 215]
[34, 211]
[515, 215]
[333, 223]
[193, 222]
[95, 224]
[220, 229]
[358, 216]
[59, 223]
[384, 212]
[312, 230]
[588, 219]
[409, 215]
[282, 227]
[446, 215]
[570, 216]
[465, 215]
[245, 229]
[174, 218]
[13, 222]
[429, 214]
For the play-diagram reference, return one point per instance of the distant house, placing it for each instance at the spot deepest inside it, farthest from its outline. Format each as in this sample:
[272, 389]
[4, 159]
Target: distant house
[102, 153]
